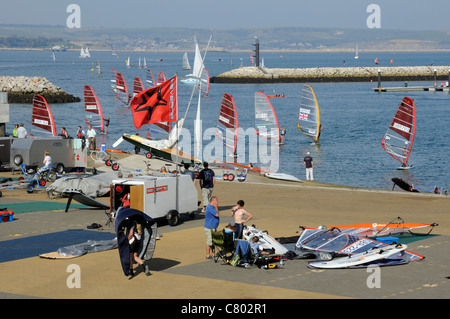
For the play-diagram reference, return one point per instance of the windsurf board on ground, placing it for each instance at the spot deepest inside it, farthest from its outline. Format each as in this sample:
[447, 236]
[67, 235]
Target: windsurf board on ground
[360, 259]
[282, 176]
[265, 240]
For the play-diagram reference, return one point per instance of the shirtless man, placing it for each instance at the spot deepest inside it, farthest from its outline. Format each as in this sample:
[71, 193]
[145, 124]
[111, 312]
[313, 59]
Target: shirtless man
[239, 212]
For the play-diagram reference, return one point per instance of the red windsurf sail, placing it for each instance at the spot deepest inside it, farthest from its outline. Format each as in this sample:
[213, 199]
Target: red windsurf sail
[399, 137]
[93, 109]
[156, 105]
[228, 124]
[121, 89]
[42, 117]
[138, 87]
[161, 78]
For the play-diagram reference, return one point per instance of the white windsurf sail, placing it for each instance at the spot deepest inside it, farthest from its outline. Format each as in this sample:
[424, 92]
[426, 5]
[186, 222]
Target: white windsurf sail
[228, 124]
[204, 81]
[266, 122]
[186, 65]
[113, 81]
[399, 137]
[42, 119]
[309, 115]
[92, 109]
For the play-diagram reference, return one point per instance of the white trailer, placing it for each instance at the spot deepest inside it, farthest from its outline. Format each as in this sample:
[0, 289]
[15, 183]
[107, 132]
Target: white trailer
[157, 196]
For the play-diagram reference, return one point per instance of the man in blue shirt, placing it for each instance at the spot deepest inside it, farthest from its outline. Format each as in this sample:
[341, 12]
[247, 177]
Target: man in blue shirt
[211, 223]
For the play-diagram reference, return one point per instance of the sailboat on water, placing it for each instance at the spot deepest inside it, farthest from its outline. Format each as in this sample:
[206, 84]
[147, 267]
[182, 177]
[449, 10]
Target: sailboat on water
[186, 64]
[200, 74]
[84, 53]
[356, 52]
[399, 137]
[309, 114]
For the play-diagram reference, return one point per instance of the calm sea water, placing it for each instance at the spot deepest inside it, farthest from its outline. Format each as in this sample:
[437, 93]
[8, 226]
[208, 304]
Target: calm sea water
[354, 117]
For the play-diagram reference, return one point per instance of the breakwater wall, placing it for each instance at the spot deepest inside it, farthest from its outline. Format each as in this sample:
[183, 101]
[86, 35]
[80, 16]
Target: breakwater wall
[344, 74]
[21, 89]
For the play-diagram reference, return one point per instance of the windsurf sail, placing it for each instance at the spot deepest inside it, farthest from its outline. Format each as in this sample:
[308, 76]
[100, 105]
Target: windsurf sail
[121, 89]
[138, 87]
[394, 227]
[42, 117]
[399, 137]
[161, 78]
[149, 79]
[186, 65]
[341, 243]
[309, 115]
[113, 81]
[204, 81]
[92, 109]
[228, 124]
[266, 122]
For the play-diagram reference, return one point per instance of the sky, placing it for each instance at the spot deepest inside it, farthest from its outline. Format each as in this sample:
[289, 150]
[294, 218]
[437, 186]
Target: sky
[232, 14]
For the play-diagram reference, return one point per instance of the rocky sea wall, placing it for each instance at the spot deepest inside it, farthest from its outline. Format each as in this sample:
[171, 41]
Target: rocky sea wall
[21, 89]
[344, 74]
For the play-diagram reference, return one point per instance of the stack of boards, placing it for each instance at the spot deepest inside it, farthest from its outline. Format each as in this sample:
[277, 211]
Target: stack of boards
[383, 256]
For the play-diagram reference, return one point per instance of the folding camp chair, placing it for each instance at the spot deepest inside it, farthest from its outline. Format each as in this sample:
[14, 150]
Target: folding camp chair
[224, 245]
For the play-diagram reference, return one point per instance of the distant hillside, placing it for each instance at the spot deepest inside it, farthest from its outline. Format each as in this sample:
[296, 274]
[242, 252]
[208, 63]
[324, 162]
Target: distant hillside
[180, 39]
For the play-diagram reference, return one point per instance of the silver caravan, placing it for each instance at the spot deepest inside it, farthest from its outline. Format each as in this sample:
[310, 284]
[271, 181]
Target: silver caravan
[66, 153]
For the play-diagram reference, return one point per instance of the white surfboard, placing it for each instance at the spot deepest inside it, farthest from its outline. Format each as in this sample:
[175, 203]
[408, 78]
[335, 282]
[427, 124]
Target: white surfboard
[282, 176]
[359, 259]
[265, 240]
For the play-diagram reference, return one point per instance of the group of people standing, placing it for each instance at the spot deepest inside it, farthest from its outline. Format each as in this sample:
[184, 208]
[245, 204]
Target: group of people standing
[211, 209]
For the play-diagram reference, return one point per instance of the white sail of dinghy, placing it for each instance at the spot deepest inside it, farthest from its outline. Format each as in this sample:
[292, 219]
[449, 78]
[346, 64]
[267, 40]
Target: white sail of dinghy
[42, 119]
[266, 122]
[228, 124]
[92, 109]
[309, 114]
[399, 137]
[186, 65]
